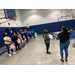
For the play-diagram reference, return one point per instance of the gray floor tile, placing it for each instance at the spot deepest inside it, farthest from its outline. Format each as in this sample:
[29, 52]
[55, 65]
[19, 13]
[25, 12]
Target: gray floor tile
[34, 53]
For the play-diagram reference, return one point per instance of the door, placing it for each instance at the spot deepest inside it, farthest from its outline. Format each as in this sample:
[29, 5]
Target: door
[7, 31]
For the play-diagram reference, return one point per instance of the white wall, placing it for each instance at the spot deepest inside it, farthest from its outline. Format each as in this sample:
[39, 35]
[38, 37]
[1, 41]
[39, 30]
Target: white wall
[13, 23]
[40, 16]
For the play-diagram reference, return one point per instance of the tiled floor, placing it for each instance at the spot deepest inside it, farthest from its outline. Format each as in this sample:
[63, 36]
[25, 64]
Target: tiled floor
[34, 53]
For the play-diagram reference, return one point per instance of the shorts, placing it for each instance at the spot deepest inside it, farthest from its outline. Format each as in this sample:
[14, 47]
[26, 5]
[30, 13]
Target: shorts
[30, 36]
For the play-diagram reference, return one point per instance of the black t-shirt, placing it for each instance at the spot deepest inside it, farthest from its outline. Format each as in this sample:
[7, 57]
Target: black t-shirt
[63, 37]
[14, 38]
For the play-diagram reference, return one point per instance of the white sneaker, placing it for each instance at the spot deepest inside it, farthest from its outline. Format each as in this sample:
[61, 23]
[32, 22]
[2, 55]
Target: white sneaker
[14, 53]
[9, 55]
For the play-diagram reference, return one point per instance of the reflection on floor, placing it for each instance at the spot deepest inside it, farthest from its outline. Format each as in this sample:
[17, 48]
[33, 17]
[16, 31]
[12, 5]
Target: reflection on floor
[34, 53]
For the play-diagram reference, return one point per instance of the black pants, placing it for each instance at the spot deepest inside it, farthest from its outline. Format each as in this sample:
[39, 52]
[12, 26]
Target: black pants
[47, 46]
[17, 45]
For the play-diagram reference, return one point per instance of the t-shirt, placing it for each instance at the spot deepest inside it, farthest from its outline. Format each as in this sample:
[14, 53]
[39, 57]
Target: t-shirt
[29, 33]
[63, 38]
[33, 32]
[7, 38]
[45, 37]
[14, 38]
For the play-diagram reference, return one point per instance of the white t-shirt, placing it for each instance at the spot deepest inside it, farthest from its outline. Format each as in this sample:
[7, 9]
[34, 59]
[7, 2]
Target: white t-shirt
[7, 38]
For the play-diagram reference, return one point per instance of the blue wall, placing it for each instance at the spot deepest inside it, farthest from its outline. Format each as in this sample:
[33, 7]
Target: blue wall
[2, 30]
[56, 26]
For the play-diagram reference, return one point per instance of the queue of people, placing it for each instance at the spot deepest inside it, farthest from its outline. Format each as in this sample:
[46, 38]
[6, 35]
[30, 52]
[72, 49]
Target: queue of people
[19, 40]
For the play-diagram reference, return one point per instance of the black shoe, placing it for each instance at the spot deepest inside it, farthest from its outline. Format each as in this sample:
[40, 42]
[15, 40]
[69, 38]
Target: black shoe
[61, 60]
[66, 60]
[48, 52]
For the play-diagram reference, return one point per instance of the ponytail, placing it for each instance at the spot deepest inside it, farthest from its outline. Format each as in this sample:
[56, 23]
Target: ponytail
[65, 30]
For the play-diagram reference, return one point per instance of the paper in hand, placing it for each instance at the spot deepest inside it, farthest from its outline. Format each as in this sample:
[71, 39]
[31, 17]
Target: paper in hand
[50, 36]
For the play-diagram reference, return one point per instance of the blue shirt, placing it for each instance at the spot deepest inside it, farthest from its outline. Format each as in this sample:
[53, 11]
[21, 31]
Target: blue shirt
[29, 33]
[26, 36]
[33, 32]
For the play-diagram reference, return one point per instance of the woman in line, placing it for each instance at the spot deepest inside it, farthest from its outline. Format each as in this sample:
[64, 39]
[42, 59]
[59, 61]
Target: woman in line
[22, 34]
[15, 38]
[8, 42]
[26, 35]
[20, 38]
[33, 33]
[46, 40]
[64, 43]
[30, 34]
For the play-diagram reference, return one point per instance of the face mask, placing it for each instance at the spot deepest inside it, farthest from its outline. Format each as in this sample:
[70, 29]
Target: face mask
[46, 32]
[6, 35]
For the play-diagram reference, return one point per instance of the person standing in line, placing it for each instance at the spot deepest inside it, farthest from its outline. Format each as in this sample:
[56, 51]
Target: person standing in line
[15, 38]
[46, 40]
[26, 35]
[22, 34]
[20, 37]
[33, 33]
[64, 38]
[24, 40]
[30, 34]
[8, 42]
[25, 30]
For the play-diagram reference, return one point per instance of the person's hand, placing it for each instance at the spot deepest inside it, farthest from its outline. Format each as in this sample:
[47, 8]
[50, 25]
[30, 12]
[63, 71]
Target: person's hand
[49, 38]
[11, 42]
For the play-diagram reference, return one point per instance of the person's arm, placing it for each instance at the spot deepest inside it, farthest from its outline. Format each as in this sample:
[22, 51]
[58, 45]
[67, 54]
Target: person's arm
[58, 37]
[7, 40]
[48, 38]
[70, 31]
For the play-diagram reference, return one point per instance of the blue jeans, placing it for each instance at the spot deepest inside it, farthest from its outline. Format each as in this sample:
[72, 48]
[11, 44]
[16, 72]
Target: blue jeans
[21, 44]
[54, 36]
[65, 47]
[7, 46]
[34, 36]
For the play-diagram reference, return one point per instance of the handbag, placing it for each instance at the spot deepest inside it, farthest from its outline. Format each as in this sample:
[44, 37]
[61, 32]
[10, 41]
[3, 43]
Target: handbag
[28, 38]
[18, 41]
[32, 37]
[25, 39]
[12, 46]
